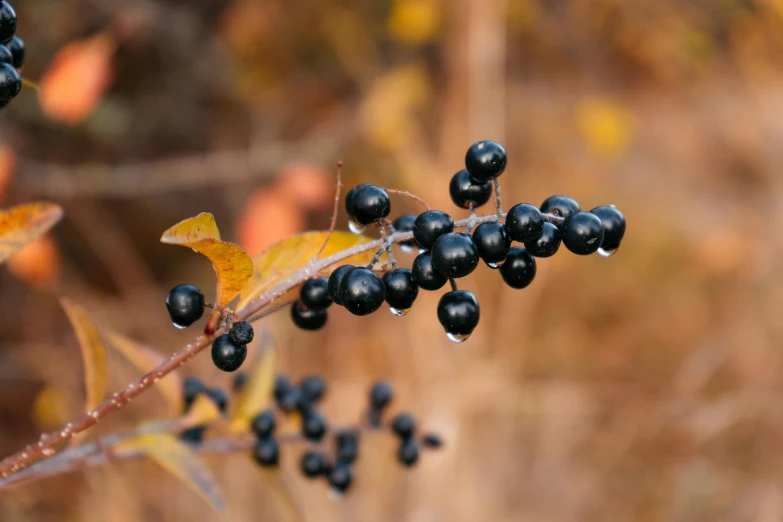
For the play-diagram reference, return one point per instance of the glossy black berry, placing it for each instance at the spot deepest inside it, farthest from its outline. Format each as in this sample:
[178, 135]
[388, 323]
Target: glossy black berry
[404, 425]
[194, 435]
[458, 312]
[5, 55]
[408, 452]
[313, 425]
[404, 223]
[361, 291]
[282, 386]
[240, 381]
[349, 199]
[185, 304]
[465, 190]
[492, 242]
[10, 81]
[334, 282]
[313, 387]
[613, 222]
[370, 203]
[562, 206]
[7, 21]
[401, 291]
[431, 440]
[241, 333]
[314, 294]
[293, 399]
[340, 477]
[313, 464]
[430, 225]
[424, 274]
[519, 268]
[307, 319]
[219, 397]
[226, 355]
[263, 424]
[547, 244]
[582, 233]
[16, 46]
[192, 388]
[267, 452]
[524, 223]
[381, 395]
[485, 160]
[347, 446]
[455, 254]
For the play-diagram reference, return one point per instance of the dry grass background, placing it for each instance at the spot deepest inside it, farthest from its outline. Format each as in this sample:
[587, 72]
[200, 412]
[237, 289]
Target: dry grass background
[642, 387]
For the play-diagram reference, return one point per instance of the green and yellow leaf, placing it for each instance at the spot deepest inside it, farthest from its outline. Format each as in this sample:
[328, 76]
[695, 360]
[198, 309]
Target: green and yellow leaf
[258, 390]
[24, 223]
[96, 364]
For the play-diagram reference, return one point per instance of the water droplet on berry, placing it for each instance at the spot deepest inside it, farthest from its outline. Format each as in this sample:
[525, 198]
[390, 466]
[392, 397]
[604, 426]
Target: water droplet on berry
[606, 253]
[356, 228]
[407, 249]
[179, 326]
[422, 251]
[495, 266]
[457, 338]
[399, 312]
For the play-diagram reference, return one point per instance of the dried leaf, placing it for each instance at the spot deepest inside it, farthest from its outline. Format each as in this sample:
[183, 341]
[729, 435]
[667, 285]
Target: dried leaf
[286, 257]
[145, 359]
[203, 411]
[309, 185]
[232, 264]
[181, 461]
[96, 365]
[7, 168]
[38, 263]
[264, 206]
[258, 390]
[24, 223]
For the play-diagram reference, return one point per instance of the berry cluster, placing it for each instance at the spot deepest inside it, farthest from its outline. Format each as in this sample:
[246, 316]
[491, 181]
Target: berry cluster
[192, 388]
[11, 55]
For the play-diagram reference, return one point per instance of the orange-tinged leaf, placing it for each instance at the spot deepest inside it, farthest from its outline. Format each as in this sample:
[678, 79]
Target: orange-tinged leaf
[145, 359]
[232, 264]
[203, 411]
[96, 365]
[38, 263]
[258, 390]
[7, 168]
[24, 223]
[181, 461]
[264, 206]
[309, 185]
[286, 257]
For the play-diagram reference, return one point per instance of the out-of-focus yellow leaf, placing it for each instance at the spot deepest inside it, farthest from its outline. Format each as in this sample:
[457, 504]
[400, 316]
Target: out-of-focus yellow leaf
[605, 125]
[96, 364]
[145, 359]
[50, 408]
[258, 390]
[414, 21]
[232, 264]
[285, 257]
[203, 411]
[24, 223]
[181, 461]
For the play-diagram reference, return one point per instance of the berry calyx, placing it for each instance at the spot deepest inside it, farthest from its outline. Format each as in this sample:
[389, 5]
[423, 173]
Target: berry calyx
[524, 223]
[340, 477]
[485, 160]
[347, 446]
[334, 282]
[313, 387]
[192, 388]
[241, 333]
[408, 452]
[613, 222]
[16, 46]
[361, 291]
[492, 242]
[465, 190]
[381, 395]
[562, 206]
[10, 81]
[401, 291]
[519, 268]
[226, 355]
[404, 425]
[314, 294]
[458, 313]
[455, 254]
[430, 225]
[307, 319]
[583, 233]
[263, 424]
[267, 452]
[313, 464]
[7, 21]
[185, 304]
[424, 274]
[313, 426]
[404, 223]
[368, 204]
[547, 244]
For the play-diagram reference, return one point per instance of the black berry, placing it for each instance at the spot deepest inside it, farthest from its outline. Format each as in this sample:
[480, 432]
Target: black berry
[7, 21]
[314, 294]
[458, 312]
[241, 333]
[519, 269]
[313, 387]
[370, 203]
[547, 244]
[307, 319]
[430, 225]
[5, 55]
[263, 424]
[347, 446]
[404, 223]
[381, 395]
[194, 435]
[424, 274]
[492, 242]
[455, 254]
[431, 440]
[562, 206]
[361, 291]
[16, 46]
[226, 355]
[582, 233]
[524, 223]
[349, 199]
[185, 304]
[340, 477]
[313, 426]
[10, 81]
[408, 452]
[465, 190]
[282, 386]
[334, 282]
[313, 464]
[240, 380]
[192, 388]
[267, 452]
[292, 399]
[219, 397]
[401, 291]
[404, 425]
[485, 160]
[614, 227]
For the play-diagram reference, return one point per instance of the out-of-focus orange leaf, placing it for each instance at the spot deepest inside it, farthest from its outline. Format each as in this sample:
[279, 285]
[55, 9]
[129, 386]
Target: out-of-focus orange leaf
[96, 364]
[145, 359]
[232, 264]
[203, 411]
[259, 388]
[77, 79]
[414, 21]
[309, 185]
[269, 216]
[291, 254]
[7, 168]
[38, 263]
[24, 223]
[181, 461]
[50, 408]
[605, 125]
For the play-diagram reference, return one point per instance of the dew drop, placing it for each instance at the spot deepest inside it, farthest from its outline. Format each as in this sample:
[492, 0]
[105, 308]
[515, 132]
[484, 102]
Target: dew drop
[48, 452]
[399, 312]
[407, 249]
[422, 251]
[457, 338]
[356, 228]
[495, 266]
[179, 326]
[606, 253]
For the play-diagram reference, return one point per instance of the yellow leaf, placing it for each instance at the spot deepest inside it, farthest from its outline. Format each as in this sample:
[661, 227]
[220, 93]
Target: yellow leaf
[286, 257]
[96, 365]
[181, 461]
[414, 21]
[202, 412]
[24, 223]
[232, 264]
[606, 126]
[258, 390]
[145, 359]
[51, 407]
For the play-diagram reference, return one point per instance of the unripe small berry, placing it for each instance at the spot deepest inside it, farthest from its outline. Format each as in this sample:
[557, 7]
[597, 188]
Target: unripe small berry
[241, 333]
[226, 355]
[485, 160]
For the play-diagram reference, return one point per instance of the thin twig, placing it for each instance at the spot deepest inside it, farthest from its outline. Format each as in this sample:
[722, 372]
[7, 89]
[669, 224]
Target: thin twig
[498, 203]
[408, 195]
[389, 250]
[453, 284]
[334, 212]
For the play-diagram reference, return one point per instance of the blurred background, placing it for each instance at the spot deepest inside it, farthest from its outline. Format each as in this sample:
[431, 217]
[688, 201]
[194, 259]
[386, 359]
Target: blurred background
[641, 387]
